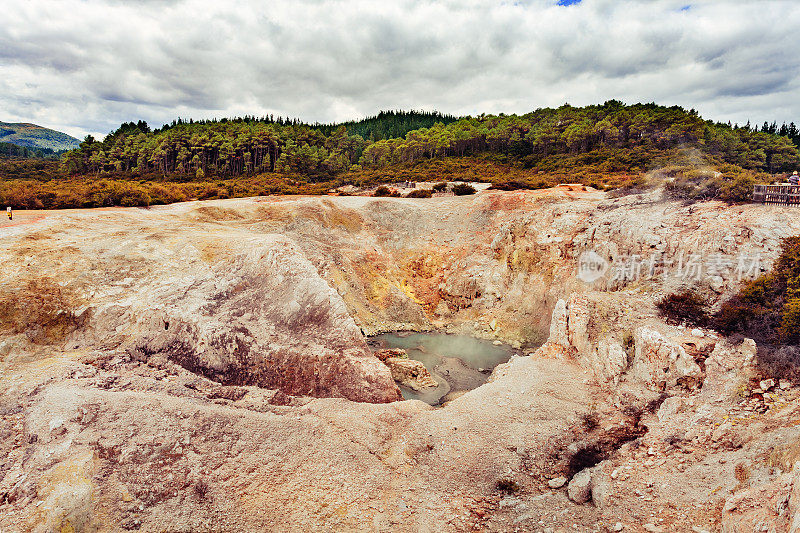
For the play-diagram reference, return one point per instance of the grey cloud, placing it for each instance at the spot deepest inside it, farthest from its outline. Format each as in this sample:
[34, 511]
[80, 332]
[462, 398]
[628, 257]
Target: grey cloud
[88, 65]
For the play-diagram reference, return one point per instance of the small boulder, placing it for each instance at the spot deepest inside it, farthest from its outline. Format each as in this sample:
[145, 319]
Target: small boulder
[766, 384]
[557, 482]
[579, 489]
[410, 373]
[785, 384]
[717, 284]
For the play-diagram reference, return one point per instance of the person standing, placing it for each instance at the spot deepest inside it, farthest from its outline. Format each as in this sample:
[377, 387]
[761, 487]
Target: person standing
[8, 211]
[793, 179]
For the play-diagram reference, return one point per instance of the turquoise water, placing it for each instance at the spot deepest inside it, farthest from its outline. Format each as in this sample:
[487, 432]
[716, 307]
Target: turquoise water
[457, 362]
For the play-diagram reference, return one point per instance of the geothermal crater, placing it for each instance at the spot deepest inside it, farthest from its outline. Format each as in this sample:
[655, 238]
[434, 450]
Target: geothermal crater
[207, 367]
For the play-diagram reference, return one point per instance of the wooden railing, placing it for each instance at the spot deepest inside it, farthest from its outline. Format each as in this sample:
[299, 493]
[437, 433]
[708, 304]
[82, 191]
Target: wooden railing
[777, 194]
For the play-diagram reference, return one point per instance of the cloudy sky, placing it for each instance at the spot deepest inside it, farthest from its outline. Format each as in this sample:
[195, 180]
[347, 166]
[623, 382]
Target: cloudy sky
[84, 66]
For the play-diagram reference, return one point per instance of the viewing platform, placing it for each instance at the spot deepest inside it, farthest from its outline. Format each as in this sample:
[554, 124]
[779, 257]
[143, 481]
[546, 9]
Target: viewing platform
[777, 194]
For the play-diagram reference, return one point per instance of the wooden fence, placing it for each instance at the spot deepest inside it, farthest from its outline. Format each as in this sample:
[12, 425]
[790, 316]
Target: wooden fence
[777, 194]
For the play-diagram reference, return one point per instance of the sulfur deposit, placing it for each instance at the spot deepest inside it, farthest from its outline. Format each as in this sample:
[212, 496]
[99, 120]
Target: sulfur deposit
[204, 367]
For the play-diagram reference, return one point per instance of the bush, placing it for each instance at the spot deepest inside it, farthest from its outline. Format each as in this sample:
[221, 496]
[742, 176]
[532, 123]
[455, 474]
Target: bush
[440, 187]
[767, 309]
[590, 420]
[514, 185]
[420, 193]
[507, 485]
[384, 191]
[462, 189]
[739, 189]
[684, 307]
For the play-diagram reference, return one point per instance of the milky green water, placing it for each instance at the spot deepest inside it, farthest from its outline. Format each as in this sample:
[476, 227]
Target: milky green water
[457, 362]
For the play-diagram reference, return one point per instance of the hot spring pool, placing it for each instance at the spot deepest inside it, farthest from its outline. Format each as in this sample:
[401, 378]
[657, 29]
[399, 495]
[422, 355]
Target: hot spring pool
[458, 363]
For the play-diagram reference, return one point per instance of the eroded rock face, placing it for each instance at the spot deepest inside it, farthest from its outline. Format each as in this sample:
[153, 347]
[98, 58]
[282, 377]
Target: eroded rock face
[611, 360]
[559, 328]
[265, 318]
[660, 363]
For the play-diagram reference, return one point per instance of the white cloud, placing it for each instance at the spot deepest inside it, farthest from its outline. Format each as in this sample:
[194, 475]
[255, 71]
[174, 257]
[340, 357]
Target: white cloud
[85, 65]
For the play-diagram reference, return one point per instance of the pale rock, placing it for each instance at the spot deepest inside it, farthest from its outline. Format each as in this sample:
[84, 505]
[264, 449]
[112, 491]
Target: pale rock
[657, 361]
[558, 325]
[785, 384]
[579, 489]
[766, 384]
[608, 362]
[763, 507]
[721, 431]
[748, 349]
[557, 482]
[55, 424]
[728, 368]
[717, 284]
[578, 323]
[12, 344]
[289, 329]
[67, 493]
[697, 332]
[794, 500]
[410, 373]
[601, 488]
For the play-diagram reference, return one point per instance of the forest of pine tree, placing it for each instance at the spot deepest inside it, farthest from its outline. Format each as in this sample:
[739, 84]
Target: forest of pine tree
[610, 144]
[247, 146]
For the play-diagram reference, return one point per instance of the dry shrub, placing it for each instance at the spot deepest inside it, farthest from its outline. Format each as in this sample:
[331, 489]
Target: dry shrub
[685, 307]
[42, 309]
[507, 485]
[742, 473]
[784, 455]
[420, 193]
[463, 189]
[384, 191]
[590, 420]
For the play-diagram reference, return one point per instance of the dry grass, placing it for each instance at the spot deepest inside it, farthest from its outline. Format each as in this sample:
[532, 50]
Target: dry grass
[784, 455]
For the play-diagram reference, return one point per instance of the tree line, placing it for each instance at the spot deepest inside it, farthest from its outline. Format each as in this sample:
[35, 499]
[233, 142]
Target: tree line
[249, 146]
[26, 152]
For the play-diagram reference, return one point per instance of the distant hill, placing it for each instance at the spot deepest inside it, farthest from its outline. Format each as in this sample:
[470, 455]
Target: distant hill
[33, 136]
